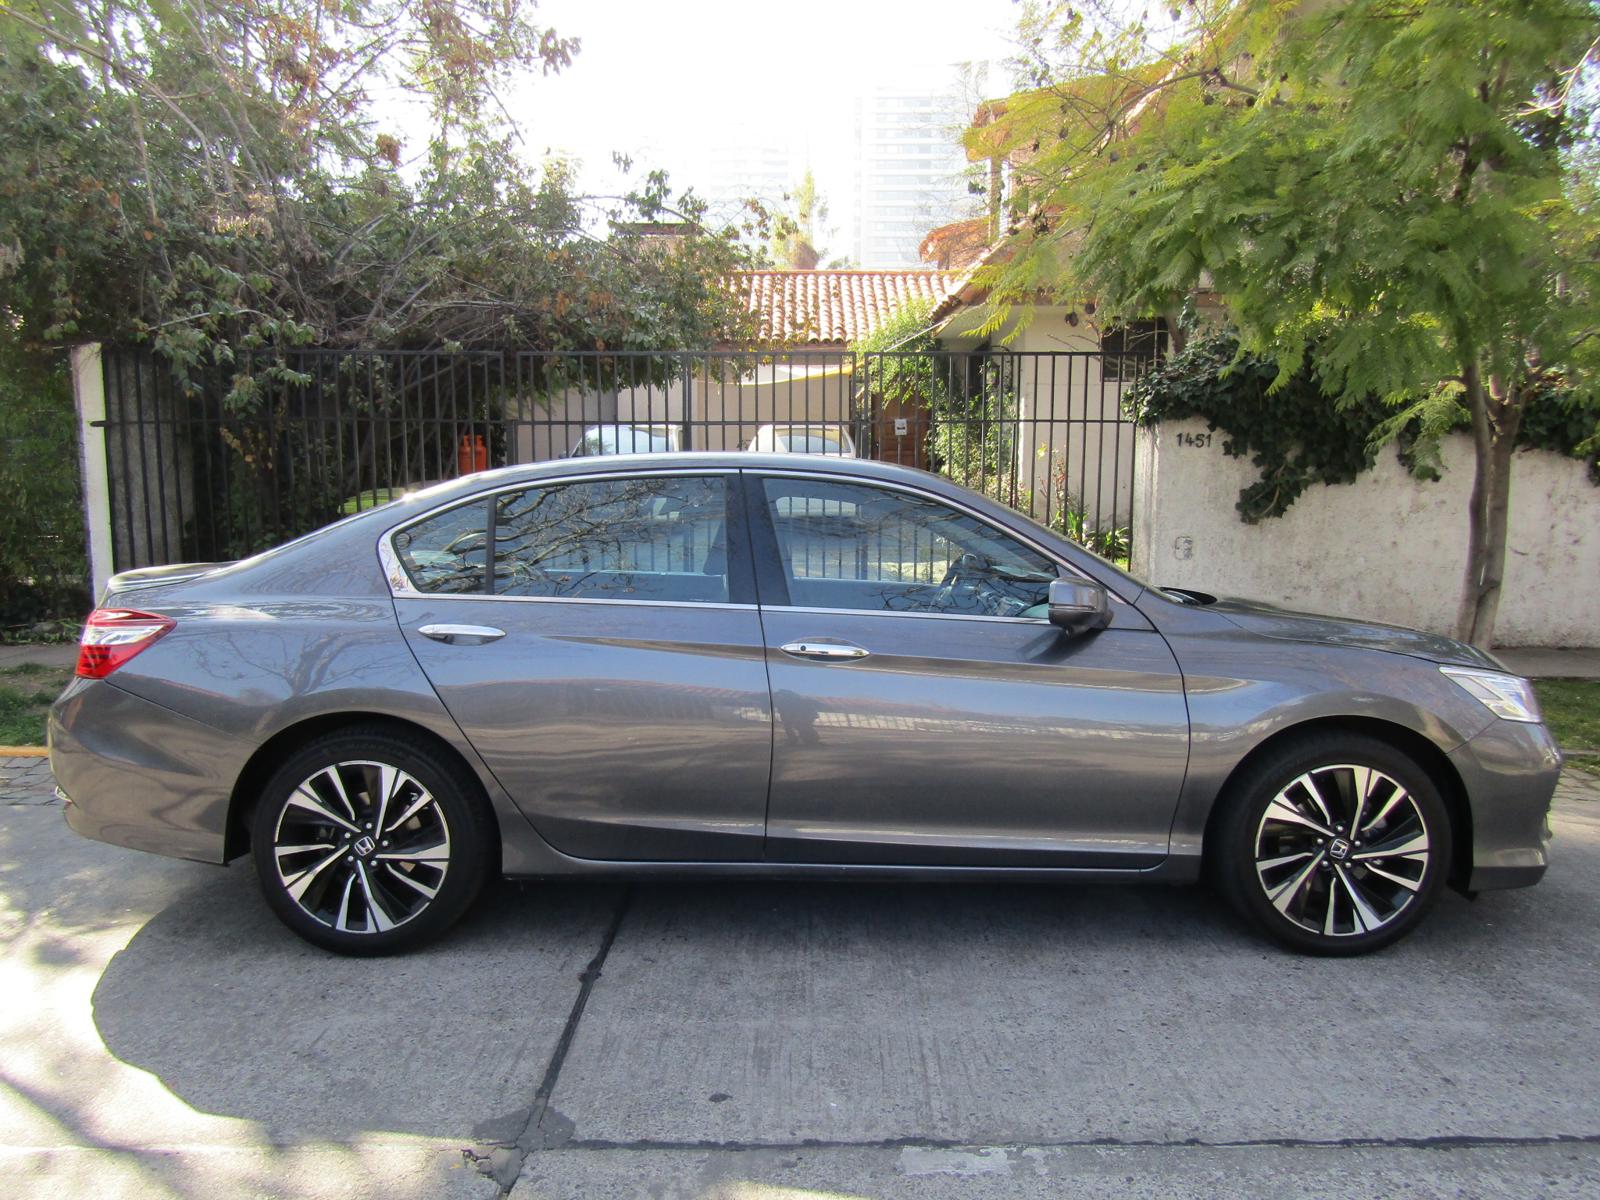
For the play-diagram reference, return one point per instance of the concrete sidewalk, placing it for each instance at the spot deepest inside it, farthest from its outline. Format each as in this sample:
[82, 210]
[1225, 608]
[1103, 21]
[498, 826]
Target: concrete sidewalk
[1544, 662]
[45, 654]
[724, 1040]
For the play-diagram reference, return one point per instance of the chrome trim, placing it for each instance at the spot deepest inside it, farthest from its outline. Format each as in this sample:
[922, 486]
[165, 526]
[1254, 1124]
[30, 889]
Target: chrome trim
[400, 583]
[468, 635]
[479, 597]
[824, 650]
[924, 616]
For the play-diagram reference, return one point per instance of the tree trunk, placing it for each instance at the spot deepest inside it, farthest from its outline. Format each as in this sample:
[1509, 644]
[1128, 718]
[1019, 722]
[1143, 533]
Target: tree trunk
[1496, 415]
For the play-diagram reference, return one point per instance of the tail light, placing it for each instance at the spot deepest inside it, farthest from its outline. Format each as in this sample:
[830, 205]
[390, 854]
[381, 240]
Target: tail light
[112, 636]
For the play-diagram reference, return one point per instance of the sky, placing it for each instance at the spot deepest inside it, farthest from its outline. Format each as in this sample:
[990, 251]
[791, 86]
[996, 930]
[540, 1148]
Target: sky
[664, 82]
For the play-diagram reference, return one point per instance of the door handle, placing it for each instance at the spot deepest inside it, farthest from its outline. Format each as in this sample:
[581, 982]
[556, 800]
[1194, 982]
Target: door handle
[827, 651]
[461, 635]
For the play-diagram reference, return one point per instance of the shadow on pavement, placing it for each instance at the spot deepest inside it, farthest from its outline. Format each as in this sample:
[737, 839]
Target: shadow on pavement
[239, 1018]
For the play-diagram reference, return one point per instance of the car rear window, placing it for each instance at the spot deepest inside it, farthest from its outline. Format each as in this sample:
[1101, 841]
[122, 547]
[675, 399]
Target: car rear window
[659, 538]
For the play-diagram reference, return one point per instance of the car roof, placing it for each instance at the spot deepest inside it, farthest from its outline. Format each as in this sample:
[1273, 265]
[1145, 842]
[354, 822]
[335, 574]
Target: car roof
[678, 460]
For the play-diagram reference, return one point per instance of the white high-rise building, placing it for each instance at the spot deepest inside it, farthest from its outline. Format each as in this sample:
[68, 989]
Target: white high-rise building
[752, 167]
[910, 172]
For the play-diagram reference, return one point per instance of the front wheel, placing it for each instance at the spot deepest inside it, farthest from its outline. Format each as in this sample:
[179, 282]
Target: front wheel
[365, 843]
[1336, 844]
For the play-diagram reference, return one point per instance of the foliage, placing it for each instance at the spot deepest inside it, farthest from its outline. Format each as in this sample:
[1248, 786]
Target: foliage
[1296, 438]
[794, 237]
[1071, 522]
[972, 437]
[26, 694]
[1382, 192]
[1572, 711]
[903, 366]
[42, 563]
[205, 177]
[970, 399]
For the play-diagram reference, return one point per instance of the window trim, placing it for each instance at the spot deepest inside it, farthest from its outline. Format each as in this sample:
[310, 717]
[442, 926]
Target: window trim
[1129, 366]
[741, 568]
[769, 556]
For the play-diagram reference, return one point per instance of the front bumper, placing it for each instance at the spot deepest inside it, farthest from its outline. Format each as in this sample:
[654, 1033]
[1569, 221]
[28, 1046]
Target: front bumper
[1509, 771]
[136, 774]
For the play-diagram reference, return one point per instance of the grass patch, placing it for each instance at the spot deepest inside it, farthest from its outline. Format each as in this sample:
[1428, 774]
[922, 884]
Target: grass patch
[1572, 711]
[374, 498]
[26, 693]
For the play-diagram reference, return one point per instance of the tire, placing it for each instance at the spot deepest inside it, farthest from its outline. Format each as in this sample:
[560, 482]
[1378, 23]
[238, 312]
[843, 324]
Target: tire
[1281, 850]
[350, 882]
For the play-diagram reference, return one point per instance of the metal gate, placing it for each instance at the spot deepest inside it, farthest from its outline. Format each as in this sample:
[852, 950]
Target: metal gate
[218, 464]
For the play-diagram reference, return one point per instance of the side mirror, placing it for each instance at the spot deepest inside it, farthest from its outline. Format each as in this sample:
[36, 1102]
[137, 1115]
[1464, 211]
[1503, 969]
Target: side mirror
[1079, 605]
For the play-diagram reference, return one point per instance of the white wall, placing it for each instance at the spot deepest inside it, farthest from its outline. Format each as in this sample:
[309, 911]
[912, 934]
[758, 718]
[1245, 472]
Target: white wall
[1069, 437]
[1386, 547]
[89, 395]
[725, 414]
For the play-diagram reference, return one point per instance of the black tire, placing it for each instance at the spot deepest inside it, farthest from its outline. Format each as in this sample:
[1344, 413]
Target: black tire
[1254, 859]
[350, 889]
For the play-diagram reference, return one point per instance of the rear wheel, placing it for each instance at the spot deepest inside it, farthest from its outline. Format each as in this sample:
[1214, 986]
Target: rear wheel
[1334, 844]
[366, 844]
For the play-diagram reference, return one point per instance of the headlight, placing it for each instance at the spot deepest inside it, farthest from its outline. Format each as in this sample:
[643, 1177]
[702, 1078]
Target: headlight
[1507, 696]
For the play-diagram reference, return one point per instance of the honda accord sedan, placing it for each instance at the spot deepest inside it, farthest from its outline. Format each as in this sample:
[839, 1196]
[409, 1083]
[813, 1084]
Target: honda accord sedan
[743, 664]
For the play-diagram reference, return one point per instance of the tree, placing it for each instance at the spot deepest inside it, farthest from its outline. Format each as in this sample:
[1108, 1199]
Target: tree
[1387, 191]
[204, 177]
[794, 236]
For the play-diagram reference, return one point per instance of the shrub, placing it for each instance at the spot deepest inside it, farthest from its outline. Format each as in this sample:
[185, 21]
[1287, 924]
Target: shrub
[43, 570]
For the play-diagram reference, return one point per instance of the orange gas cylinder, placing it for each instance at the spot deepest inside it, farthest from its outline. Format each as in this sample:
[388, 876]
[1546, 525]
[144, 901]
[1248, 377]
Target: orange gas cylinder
[472, 455]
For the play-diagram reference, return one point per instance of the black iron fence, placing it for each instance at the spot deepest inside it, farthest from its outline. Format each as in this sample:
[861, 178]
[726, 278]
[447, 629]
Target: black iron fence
[225, 462]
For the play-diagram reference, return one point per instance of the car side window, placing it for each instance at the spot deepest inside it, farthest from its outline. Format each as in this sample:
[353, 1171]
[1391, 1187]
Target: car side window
[649, 538]
[854, 546]
[445, 554]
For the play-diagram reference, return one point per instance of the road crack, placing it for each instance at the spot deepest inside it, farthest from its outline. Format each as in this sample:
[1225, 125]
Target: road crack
[546, 1128]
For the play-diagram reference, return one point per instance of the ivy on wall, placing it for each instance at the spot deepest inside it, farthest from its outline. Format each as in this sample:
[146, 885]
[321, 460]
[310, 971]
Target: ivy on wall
[1296, 435]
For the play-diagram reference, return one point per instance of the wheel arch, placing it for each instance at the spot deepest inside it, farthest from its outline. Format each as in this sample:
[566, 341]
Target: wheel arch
[261, 764]
[1409, 742]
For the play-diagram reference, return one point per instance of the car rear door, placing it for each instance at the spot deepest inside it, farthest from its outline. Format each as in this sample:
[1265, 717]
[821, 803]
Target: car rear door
[923, 722]
[609, 668]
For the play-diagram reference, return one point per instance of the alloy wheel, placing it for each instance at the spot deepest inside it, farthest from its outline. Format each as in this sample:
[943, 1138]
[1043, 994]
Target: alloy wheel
[1342, 850]
[361, 847]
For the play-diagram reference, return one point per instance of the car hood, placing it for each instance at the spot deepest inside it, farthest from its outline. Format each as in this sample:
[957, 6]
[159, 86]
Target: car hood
[1269, 620]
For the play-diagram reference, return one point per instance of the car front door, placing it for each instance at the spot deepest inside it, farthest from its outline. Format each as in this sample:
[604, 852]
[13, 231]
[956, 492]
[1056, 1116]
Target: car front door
[927, 712]
[609, 665]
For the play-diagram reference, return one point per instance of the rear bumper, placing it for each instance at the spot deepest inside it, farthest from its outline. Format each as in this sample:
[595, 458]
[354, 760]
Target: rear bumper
[136, 774]
[1510, 772]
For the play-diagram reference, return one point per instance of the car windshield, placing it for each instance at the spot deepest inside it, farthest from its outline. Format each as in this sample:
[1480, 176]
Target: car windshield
[627, 439]
[810, 443]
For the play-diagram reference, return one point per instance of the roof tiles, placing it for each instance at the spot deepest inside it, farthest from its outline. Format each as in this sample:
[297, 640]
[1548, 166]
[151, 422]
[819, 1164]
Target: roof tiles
[833, 308]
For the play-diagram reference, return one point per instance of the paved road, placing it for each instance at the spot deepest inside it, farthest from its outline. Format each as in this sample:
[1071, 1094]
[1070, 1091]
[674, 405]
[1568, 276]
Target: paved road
[160, 1034]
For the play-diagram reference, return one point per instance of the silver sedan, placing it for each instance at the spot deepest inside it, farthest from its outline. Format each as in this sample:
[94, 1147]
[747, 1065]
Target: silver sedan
[720, 664]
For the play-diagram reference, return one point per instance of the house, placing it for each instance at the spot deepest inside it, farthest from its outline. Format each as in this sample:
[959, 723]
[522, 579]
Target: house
[831, 310]
[1065, 399]
[798, 369]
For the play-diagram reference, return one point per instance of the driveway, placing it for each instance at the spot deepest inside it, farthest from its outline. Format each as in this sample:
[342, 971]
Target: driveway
[161, 1034]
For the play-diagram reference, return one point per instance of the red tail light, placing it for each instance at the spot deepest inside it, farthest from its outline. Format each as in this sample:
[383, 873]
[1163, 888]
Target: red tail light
[112, 636]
